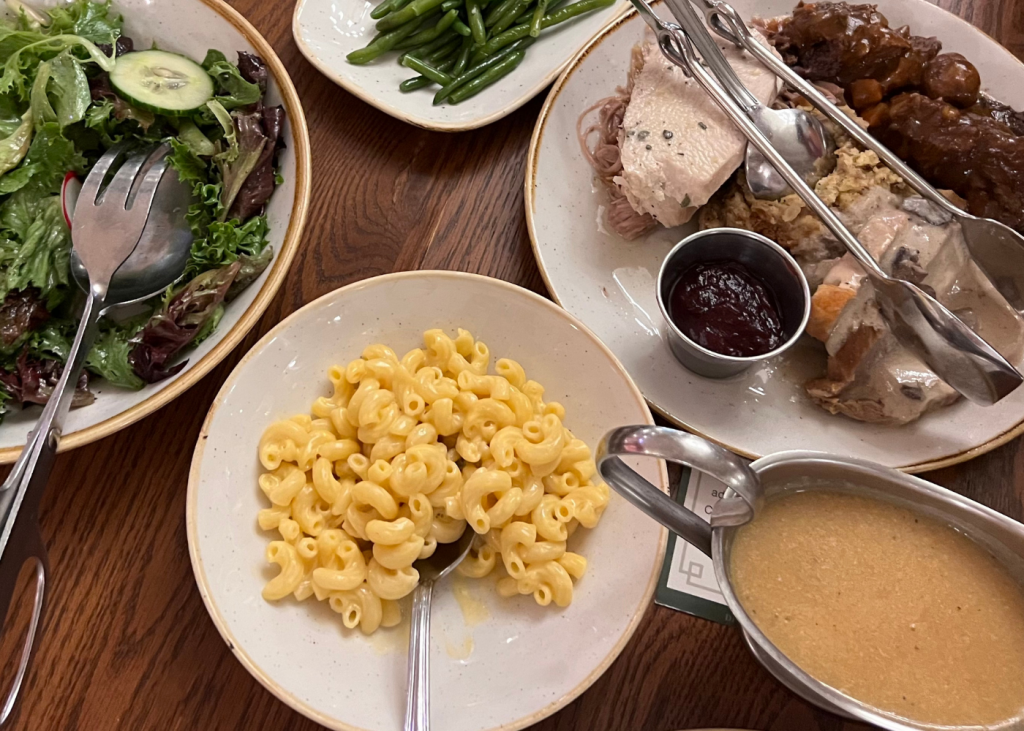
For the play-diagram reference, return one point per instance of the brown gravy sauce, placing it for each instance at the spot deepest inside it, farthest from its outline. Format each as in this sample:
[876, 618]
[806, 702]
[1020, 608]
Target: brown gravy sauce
[892, 608]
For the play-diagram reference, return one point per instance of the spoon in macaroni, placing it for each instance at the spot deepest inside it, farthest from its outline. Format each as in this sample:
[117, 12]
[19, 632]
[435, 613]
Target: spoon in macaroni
[441, 563]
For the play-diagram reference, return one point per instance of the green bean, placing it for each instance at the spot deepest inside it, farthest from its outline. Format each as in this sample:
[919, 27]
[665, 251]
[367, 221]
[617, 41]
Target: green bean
[510, 16]
[383, 9]
[412, 11]
[381, 45]
[462, 59]
[430, 34]
[476, 22]
[538, 16]
[442, 53]
[418, 82]
[442, 40]
[450, 4]
[518, 32]
[473, 71]
[506, 66]
[496, 13]
[462, 29]
[425, 69]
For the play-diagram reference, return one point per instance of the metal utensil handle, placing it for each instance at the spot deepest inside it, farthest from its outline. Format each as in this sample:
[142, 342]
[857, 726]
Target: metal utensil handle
[721, 14]
[19, 501]
[27, 546]
[712, 54]
[692, 451]
[59, 403]
[417, 709]
[676, 46]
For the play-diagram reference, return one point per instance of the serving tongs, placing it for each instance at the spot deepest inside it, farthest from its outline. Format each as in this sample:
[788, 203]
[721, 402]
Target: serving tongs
[957, 354]
[997, 248]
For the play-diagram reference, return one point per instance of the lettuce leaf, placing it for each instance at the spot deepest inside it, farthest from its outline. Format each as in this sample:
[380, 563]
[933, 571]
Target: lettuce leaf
[35, 250]
[50, 156]
[14, 147]
[94, 21]
[109, 357]
[235, 91]
[178, 323]
[60, 92]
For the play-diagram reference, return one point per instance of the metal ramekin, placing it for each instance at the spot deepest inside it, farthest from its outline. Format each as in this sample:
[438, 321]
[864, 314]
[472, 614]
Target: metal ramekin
[766, 260]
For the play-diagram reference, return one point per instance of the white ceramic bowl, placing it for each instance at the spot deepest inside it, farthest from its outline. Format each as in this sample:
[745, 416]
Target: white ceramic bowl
[526, 661]
[191, 27]
[610, 283]
[327, 30]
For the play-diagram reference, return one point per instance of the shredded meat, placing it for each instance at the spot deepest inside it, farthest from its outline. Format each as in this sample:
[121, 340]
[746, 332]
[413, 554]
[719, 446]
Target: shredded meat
[604, 156]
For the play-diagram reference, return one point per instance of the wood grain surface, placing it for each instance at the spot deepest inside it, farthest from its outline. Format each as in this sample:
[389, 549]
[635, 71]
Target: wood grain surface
[127, 643]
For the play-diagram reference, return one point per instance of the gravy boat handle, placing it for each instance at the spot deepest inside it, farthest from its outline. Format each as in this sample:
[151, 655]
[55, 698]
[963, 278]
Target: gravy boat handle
[735, 508]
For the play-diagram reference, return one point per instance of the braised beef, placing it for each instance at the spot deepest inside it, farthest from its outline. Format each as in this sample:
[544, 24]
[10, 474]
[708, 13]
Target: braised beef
[927, 107]
[974, 155]
[842, 43]
[951, 77]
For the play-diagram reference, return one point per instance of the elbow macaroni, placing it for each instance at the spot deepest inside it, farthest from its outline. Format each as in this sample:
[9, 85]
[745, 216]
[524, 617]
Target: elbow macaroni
[406, 454]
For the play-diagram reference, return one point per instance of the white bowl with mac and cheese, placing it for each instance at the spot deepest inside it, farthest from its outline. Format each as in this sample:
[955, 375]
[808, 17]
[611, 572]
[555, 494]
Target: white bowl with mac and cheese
[293, 496]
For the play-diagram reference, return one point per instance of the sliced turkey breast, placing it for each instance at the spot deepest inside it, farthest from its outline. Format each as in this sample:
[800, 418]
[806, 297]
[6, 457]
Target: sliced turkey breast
[677, 146]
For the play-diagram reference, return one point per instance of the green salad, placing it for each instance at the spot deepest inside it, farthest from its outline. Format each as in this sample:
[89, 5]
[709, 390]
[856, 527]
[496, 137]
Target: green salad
[72, 85]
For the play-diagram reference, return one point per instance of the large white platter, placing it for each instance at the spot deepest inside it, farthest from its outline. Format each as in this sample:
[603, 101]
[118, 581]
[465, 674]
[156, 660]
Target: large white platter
[609, 283]
[526, 661]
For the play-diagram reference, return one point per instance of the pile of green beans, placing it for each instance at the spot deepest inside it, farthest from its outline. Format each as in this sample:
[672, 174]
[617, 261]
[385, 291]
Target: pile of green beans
[463, 46]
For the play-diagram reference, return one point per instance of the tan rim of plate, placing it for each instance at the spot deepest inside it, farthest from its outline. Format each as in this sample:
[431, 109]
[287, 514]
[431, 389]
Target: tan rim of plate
[300, 139]
[397, 113]
[197, 562]
[528, 189]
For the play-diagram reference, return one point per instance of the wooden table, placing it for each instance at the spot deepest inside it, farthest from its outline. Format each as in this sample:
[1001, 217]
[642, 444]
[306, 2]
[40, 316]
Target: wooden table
[127, 643]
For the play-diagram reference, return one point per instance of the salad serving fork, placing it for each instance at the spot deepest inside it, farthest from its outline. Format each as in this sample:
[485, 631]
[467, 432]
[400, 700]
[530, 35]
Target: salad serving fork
[957, 354]
[109, 221]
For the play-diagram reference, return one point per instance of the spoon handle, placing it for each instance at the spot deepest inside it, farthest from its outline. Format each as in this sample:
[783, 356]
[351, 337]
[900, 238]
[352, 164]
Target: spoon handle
[417, 709]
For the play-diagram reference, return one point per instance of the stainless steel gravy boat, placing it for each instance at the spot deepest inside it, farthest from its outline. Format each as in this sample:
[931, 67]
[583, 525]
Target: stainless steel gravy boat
[749, 485]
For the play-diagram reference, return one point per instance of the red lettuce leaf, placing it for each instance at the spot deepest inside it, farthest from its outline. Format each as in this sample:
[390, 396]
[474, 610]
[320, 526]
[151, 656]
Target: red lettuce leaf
[33, 379]
[259, 185]
[21, 312]
[178, 323]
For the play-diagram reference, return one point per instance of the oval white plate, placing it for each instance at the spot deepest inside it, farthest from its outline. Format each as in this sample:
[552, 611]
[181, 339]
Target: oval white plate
[609, 283]
[327, 30]
[191, 27]
[527, 661]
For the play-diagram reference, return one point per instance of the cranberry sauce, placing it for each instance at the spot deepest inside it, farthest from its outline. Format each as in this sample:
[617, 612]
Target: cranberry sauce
[721, 306]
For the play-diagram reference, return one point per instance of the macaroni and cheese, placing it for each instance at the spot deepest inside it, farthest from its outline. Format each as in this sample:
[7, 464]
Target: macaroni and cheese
[410, 452]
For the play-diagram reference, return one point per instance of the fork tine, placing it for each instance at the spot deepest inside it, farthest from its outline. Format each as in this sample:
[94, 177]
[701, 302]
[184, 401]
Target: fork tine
[145, 190]
[121, 186]
[93, 181]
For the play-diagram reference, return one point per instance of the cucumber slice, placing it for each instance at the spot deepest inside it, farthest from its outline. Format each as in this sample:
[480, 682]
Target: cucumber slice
[161, 82]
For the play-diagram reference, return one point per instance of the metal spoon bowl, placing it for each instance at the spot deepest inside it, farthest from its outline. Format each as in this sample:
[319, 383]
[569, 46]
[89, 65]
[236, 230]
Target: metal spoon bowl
[161, 254]
[799, 137]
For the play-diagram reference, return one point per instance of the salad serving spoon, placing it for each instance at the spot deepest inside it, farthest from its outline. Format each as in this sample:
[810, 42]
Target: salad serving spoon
[957, 354]
[997, 248]
[442, 562]
[139, 205]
